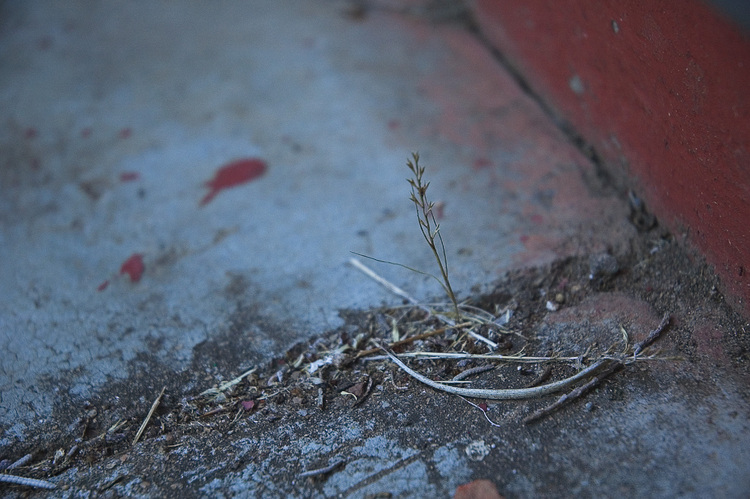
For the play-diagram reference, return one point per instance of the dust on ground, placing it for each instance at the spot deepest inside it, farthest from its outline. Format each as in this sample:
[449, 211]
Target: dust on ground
[294, 425]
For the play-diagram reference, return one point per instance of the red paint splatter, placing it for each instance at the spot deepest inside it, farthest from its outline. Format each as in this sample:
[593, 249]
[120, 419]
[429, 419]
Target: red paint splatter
[86, 132]
[235, 173]
[483, 406]
[133, 266]
[125, 133]
[103, 286]
[30, 133]
[129, 176]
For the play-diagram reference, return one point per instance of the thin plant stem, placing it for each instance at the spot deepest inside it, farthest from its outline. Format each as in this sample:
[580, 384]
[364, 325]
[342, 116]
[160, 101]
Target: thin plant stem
[429, 226]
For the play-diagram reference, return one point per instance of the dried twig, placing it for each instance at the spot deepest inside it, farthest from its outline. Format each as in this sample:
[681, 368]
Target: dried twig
[148, 416]
[227, 384]
[577, 393]
[400, 292]
[612, 367]
[473, 371]
[520, 359]
[481, 338]
[20, 462]
[652, 336]
[542, 377]
[410, 339]
[383, 282]
[323, 471]
[501, 393]
[28, 482]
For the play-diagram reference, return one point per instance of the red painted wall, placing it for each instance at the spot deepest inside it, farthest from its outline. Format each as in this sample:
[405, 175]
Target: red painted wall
[661, 89]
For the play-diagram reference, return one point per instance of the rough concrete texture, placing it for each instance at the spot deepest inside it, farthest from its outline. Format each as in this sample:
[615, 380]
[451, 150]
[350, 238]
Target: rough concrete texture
[120, 276]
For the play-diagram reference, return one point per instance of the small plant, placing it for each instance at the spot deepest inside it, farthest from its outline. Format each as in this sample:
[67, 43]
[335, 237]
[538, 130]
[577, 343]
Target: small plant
[429, 226]
[579, 383]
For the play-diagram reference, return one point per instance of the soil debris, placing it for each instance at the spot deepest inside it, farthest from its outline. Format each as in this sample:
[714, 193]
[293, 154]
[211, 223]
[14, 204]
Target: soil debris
[323, 388]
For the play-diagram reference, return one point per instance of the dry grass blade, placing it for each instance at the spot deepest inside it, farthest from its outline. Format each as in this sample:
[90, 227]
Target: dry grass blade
[227, 384]
[148, 416]
[410, 339]
[383, 282]
[400, 292]
[520, 359]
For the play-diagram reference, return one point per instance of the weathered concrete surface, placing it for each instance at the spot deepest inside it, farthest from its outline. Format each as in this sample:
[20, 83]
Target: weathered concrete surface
[332, 105]
[113, 119]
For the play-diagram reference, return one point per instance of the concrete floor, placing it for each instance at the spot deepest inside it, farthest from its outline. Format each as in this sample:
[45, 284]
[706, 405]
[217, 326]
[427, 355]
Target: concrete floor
[114, 116]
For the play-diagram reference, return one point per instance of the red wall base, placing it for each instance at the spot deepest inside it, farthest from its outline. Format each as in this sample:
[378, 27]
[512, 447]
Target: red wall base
[659, 88]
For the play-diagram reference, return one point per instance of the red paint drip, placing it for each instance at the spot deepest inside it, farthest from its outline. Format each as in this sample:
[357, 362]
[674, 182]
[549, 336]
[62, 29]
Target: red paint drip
[133, 266]
[129, 176]
[103, 286]
[233, 174]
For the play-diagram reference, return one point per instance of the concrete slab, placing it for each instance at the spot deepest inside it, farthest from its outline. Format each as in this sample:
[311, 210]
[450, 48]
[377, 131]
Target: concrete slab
[122, 273]
[116, 117]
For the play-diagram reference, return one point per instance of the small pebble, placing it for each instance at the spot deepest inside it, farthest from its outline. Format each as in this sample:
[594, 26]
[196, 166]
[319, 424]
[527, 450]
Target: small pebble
[602, 265]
